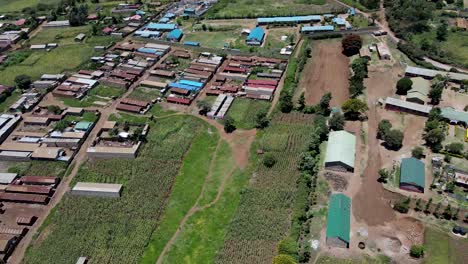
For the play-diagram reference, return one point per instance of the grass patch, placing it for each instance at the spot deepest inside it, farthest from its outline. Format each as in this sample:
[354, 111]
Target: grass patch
[441, 248]
[15, 95]
[244, 110]
[213, 39]
[106, 91]
[13, 6]
[144, 94]
[380, 259]
[118, 230]
[39, 168]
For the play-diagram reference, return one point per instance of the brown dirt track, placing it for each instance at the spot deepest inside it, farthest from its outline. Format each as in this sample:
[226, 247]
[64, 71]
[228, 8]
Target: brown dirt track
[327, 71]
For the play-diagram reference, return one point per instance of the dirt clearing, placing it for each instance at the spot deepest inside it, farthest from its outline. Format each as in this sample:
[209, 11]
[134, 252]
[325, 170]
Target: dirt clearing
[326, 71]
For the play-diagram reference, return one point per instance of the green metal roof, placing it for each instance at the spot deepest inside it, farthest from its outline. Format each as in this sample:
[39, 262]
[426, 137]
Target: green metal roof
[452, 114]
[83, 125]
[339, 213]
[341, 147]
[412, 171]
[420, 89]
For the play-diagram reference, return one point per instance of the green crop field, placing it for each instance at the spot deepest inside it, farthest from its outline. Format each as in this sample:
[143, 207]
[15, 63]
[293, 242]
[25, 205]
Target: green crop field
[39, 168]
[177, 152]
[256, 8]
[11, 6]
[244, 111]
[441, 248]
[263, 216]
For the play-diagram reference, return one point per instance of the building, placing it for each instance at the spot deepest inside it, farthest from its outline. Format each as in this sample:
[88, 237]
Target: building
[412, 175]
[7, 178]
[419, 90]
[455, 116]
[430, 74]
[338, 221]
[394, 104]
[97, 189]
[256, 37]
[288, 20]
[462, 23]
[60, 23]
[314, 29]
[341, 151]
[175, 35]
[80, 37]
[383, 51]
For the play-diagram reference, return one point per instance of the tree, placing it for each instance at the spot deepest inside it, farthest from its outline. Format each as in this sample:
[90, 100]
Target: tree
[283, 259]
[353, 108]
[203, 106]
[447, 212]
[428, 206]
[337, 121]
[269, 160]
[77, 15]
[436, 210]
[383, 128]
[435, 93]
[61, 125]
[374, 16]
[418, 206]
[229, 126]
[417, 251]
[434, 139]
[301, 102]
[325, 104]
[54, 109]
[351, 44]
[417, 152]
[287, 246]
[22, 81]
[450, 187]
[402, 205]
[394, 139]
[441, 32]
[261, 119]
[455, 148]
[404, 85]
[383, 175]
[285, 103]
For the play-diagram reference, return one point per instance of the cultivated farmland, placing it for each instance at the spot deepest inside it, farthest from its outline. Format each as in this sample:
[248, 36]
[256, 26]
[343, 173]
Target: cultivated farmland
[117, 230]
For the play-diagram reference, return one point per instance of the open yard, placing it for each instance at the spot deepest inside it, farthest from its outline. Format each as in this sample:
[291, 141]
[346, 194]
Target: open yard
[256, 8]
[178, 149]
[244, 111]
[326, 71]
[215, 39]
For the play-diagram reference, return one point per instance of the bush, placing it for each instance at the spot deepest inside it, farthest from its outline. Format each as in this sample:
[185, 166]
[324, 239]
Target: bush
[455, 148]
[383, 128]
[229, 126]
[417, 152]
[404, 85]
[269, 160]
[402, 205]
[394, 139]
[22, 81]
[284, 259]
[351, 44]
[261, 119]
[337, 121]
[287, 246]
[417, 251]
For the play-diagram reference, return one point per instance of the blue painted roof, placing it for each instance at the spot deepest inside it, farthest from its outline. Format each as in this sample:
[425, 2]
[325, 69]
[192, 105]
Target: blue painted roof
[147, 50]
[140, 12]
[160, 26]
[339, 21]
[191, 10]
[164, 20]
[192, 43]
[295, 19]
[183, 86]
[317, 28]
[175, 34]
[352, 11]
[191, 83]
[256, 34]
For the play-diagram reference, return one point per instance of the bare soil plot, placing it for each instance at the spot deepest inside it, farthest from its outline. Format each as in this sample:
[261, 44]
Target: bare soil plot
[326, 71]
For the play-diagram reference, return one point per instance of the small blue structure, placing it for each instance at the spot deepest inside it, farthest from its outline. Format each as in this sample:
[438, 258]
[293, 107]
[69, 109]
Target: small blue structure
[339, 21]
[191, 83]
[160, 27]
[164, 20]
[189, 11]
[140, 12]
[352, 11]
[192, 43]
[147, 50]
[169, 15]
[147, 33]
[312, 29]
[256, 36]
[288, 20]
[184, 86]
[175, 35]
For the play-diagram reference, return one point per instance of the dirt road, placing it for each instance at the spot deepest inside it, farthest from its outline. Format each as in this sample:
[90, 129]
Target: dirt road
[326, 71]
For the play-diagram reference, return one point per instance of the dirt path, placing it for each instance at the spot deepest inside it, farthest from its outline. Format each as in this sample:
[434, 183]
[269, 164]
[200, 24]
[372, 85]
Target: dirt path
[327, 72]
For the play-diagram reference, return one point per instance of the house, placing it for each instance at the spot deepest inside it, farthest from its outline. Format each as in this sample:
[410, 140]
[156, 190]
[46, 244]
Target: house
[394, 104]
[83, 126]
[430, 74]
[419, 90]
[80, 37]
[462, 23]
[461, 179]
[59, 23]
[338, 221]
[412, 175]
[383, 51]
[97, 189]
[159, 27]
[341, 151]
[47, 153]
[313, 29]
[7, 178]
[454, 116]
[256, 37]
[175, 35]
[20, 22]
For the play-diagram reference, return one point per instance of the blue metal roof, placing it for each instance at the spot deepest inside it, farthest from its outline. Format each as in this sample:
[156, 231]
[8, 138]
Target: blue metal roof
[160, 26]
[256, 34]
[147, 50]
[192, 43]
[147, 33]
[317, 28]
[190, 10]
[293, 19]
[191, 83]
[339, 21]
[164, 20]
[183, 86]
[175, 34]
[352, 11]
[169, 15]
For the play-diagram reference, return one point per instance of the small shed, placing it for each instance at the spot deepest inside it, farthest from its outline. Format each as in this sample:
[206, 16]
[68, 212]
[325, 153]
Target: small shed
[338, 221]
[175, 35]
[412, 175]
[7, 178]
[256, 36]
[97, 189]
[80, 37]
[83, 126]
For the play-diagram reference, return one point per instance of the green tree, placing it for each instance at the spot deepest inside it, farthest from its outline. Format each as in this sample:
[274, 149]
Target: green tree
[417, 251]
[301, 102]
[383, 175]
[418, 206]
[261, 119]
[204, 107]
[434, 139]
[402, 205]
[435, 93]
[394, 139]
[353, 108]
[54, 109]
[337, 121]
[404, 85]
[455, 148]
[325, 104]
[447, 214]
[269, 160]
[450, 187]
[61, 125]
[442, 32]
[22, 81]
[428, 206]
[351, 44]
[417, 152]
[383, 128]
[283, 259]
[286, 103]
[287, 246]
[229, 125]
